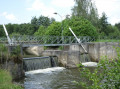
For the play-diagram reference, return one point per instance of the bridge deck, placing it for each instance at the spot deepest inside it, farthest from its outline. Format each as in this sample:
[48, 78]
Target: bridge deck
[26, 41]
[29, 45]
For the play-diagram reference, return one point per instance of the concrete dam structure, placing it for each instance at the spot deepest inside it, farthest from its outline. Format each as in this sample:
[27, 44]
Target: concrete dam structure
[73, 54]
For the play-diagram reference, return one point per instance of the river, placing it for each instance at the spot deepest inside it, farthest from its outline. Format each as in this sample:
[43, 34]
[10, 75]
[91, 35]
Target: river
[52, 78]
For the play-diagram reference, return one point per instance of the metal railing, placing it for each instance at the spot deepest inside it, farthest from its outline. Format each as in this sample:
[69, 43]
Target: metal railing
[57, 39]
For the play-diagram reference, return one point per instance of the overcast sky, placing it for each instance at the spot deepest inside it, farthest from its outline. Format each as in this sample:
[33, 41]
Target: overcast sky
[22, 11]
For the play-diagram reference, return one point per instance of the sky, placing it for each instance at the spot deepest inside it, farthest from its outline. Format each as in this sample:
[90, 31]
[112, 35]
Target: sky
[22, 11]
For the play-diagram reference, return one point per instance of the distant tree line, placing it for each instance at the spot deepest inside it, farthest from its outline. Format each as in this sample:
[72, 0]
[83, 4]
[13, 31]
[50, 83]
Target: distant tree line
[84, 21]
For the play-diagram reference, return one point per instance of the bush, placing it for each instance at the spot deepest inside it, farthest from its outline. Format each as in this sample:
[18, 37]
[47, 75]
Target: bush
[80, 26]
[105, 76]
[54, 29]
[14, 54]
[41, 31]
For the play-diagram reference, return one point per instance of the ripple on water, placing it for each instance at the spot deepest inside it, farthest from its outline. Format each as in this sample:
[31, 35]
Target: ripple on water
[52, 78]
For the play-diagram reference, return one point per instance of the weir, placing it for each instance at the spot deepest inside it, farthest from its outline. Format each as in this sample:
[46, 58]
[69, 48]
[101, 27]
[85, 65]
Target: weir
[35, 63]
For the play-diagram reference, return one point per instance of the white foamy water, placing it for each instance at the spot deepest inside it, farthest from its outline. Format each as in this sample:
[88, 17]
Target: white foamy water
[47, 70]
[90, 64]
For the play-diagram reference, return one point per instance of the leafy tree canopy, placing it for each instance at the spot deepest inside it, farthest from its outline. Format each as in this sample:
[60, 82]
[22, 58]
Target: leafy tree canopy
[42, 20]
[80, 26]
[54, 29]
[41, 31]
[118, 25]
[87, 10]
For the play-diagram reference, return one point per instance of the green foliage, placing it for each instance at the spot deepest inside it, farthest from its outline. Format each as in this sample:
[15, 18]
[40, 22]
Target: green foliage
[113, 31]
[15, 34]
[10, 28]
[54, 29]
[87, 10]
[2, 33]
[80, 26]
[105, 76]
[3, 48]
[103, 24]
[16, 50]
[6, 81]
[118, 25]
[42, 20]
[34, 20]
[4, 53]
[14, 54]
[45, 47]
[27, 29]
[41, 31]
[60, 48]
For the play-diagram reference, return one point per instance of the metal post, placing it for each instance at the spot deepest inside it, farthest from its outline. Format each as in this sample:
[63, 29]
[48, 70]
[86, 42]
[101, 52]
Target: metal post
[61, 25]
[9, 40]
[77, 39]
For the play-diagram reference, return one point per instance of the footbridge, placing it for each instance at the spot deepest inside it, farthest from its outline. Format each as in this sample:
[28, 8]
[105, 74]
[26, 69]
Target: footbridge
[27, 41]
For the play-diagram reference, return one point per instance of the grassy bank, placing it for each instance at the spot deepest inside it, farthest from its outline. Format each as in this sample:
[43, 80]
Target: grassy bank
[6, 81]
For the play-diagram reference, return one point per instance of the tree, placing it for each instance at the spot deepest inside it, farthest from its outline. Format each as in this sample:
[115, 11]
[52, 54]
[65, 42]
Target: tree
[2, 33]
[52, 20]
[45, 21]
[80, 26]
[54, 29]
[41, 31]
[113, 31]
[10, 28]
[103, 24]
[87, 10]
[118, 25]
[16, 28]
[34, 20]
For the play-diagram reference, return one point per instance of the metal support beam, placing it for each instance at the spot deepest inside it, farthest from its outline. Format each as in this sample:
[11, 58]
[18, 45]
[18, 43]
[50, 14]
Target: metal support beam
[9, 40]
[78, 40]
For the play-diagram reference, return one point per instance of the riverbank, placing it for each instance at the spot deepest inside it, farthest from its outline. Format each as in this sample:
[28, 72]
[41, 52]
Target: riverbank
[11, 60]
[6, 81]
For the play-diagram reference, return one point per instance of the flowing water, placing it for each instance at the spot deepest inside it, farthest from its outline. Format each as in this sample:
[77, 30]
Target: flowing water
[52, 78]
[48, 75]
[34, 63]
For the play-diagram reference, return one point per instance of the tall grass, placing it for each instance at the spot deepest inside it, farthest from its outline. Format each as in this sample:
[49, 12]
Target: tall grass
[6, 81]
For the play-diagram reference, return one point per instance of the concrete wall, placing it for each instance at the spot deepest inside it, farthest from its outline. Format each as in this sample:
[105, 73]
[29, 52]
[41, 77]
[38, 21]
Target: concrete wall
[35, 50]
[102, 49]
[74, 53]
[70, 56]
[67, 58]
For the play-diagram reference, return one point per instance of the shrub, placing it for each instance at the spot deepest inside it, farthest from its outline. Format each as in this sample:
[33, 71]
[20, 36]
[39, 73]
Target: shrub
[105, 76]
[80, 26]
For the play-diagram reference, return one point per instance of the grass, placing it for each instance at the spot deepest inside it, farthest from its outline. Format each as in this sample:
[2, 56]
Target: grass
[107, 40]
[6, 81]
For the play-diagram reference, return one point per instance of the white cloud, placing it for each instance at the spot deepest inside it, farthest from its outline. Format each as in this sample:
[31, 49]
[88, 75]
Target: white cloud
[4, 13]
[63, 3]
[37, 5]
[114, 20]
[10, 17]
[111, 8]
[40, 7]
[48, 12]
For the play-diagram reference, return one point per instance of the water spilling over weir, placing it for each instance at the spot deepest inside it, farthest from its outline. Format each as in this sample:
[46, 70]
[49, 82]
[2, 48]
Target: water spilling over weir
[35, 63]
